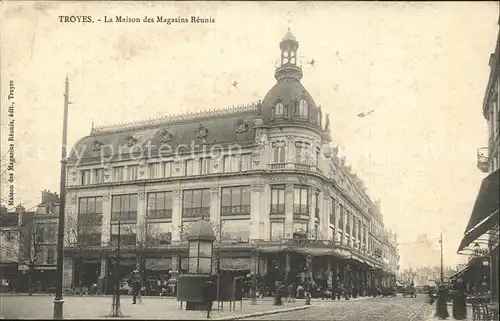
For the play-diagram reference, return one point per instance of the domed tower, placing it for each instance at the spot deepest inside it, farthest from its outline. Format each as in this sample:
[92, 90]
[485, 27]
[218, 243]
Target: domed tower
[288, 102]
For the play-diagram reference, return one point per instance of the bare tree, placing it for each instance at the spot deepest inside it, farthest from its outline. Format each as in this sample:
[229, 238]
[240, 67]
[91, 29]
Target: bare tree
[82, 233]
[148, 235]
[28, 246]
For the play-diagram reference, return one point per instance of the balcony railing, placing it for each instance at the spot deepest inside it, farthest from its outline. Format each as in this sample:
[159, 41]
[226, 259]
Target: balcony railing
[235, 210]
[294, 166]
[277, 208]
[301, 209]
[482, 159]
[196, 212]
[124, 216]
[164, 213]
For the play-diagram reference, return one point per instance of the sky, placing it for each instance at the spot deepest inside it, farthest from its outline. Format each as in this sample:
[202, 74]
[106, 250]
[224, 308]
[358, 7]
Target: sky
[423, 68]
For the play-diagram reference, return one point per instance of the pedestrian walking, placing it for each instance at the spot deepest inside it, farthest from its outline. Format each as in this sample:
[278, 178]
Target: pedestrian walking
[441, 304]
[291, 292]
[459, 311]
[135, 280]
[209, 295]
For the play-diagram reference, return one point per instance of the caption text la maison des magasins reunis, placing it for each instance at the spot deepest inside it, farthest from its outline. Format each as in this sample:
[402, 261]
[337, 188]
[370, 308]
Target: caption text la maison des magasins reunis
[128, 19]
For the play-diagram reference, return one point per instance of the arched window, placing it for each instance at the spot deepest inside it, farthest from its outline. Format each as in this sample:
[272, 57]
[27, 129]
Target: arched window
[279, 109]
[279, 152]
[303, 108]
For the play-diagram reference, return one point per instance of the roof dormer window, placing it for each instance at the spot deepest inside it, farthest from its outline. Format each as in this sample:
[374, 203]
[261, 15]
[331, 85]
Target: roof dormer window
[303, 110]
[279, 110]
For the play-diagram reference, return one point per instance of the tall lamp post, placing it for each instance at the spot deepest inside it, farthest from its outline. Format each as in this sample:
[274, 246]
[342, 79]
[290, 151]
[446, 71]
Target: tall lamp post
[115, 305]
[58, 301]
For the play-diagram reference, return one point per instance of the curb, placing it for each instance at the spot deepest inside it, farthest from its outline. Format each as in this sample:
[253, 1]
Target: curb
[259, 314]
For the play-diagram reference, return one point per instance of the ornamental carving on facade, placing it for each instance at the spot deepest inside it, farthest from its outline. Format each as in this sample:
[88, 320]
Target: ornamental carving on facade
[256, 157]
[165, 136]
[303, 180]
[201, 132]
[96, 145]
[131, 141]
[214, 189]
[241, 126]
[278, 178]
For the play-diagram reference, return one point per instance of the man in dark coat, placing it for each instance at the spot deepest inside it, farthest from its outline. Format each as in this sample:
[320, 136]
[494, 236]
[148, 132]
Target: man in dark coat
[459, 301]
[441, 304]
[135, 281]
[209, 295]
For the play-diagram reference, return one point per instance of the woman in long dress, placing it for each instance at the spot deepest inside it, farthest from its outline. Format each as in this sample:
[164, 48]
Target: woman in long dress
[441, 308]
[459, 301]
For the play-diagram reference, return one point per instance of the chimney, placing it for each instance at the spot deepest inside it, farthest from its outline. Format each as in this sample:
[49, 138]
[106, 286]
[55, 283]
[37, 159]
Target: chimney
[20, 209]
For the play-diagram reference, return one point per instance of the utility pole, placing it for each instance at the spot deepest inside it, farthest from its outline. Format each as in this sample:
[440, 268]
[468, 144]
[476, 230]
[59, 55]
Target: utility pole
[58, 301]
[442, 272]
[115, 305]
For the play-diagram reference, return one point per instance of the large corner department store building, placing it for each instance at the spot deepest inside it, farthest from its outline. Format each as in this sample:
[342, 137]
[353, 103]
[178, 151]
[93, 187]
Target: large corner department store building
[280, 202]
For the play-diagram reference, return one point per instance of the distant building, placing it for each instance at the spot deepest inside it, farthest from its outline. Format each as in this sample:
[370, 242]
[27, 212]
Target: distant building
[28, 246]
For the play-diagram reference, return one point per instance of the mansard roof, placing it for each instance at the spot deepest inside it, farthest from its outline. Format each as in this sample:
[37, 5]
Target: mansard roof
[222, 127]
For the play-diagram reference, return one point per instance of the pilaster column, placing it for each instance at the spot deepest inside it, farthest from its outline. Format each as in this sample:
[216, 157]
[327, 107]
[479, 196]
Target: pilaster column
[67, 272]
[351, 216]
[176, 217]
[140, 224]
[312, 215]
[310, 272]
[287, 262]
[325, 211]
[176, 263]
[265, 206]
[215, 210]
[106, 219]
[255, 212]
[329, 272]
[289, 211]
[343, 239]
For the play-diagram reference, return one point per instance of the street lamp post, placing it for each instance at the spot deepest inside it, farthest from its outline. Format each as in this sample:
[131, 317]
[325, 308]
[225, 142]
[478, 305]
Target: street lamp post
[441, 272]
[58, 301]
[115, 305]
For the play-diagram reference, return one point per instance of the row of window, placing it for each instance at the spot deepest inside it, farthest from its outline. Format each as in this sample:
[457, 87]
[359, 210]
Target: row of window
[303, 153]
[299, 108]
[231, 163]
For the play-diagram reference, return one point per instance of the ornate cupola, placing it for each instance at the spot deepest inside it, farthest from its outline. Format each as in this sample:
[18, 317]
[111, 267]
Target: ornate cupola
[288, 102]
[288, 67]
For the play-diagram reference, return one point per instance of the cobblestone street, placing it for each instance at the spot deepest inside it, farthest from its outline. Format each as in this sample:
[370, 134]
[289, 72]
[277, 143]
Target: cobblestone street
[373, 309]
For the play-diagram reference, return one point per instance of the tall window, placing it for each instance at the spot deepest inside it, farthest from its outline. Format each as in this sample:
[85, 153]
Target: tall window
[360, 231]
[303, 111]
[160, 205]
[156, 170]
[341, 217]
[235, 200]
[99, 175]
[85, 177]
[301, 200]
[205, 164]
[302, 154]
[51, 254]
[167, 169]
[118, 174]
[278, 200]
[333, 214]
[348, 222]
[277, 231]
[89, 220]
[316, 203]
[133, 172]
[279, 152]
[124, 207]
[279, 109]
[354, 227]
[196, 203]
[190, 167]
[246, 162]
[316, 159]
[90, 209]
[231, 163]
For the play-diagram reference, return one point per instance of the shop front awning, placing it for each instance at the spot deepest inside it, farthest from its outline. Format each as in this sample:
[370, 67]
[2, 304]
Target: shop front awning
[485, 211]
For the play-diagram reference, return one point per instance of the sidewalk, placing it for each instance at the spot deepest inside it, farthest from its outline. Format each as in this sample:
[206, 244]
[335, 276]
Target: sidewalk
[91, 307]
[450, 318]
